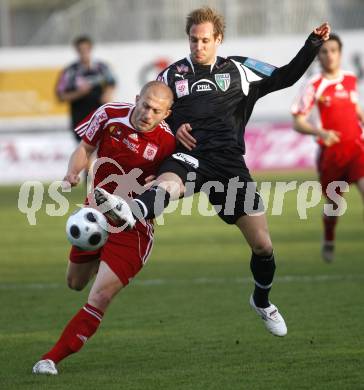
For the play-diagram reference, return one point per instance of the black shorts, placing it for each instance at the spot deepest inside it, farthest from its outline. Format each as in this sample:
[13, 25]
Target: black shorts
[225, 180]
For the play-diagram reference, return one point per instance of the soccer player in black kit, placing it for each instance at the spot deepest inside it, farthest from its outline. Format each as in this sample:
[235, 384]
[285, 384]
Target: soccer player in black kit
[85, 84]
[214, 98]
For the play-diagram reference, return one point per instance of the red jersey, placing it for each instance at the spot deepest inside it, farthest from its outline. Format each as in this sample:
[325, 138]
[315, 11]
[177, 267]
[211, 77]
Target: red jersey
[110, 129]
[336, 101]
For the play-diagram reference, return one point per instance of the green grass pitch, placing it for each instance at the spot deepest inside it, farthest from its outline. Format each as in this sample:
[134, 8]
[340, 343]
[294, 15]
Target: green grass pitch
[185, 322]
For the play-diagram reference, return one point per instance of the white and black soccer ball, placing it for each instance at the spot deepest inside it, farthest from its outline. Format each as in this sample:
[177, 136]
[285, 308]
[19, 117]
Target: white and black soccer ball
[87, 229]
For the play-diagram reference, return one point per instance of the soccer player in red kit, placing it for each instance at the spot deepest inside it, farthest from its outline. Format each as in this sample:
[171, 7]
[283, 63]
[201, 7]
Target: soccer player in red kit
[133, 136]
[339, 134]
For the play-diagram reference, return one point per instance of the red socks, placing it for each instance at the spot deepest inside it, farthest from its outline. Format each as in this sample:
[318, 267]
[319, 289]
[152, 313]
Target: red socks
[82, 326]
[329, 227]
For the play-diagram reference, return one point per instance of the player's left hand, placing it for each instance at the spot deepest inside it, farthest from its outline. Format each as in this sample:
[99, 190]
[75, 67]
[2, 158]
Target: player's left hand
[184, 137]
[70, 180]
[330, 137]
[323, 31]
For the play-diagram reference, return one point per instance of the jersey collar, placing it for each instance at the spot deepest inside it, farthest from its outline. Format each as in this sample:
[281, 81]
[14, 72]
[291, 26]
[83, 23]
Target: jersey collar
[93, 65]
[126, 119]
[337, 79]
[188, 58]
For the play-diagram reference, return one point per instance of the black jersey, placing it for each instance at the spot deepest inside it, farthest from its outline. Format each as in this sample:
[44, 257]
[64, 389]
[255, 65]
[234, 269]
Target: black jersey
[98, 75]
[217, 100]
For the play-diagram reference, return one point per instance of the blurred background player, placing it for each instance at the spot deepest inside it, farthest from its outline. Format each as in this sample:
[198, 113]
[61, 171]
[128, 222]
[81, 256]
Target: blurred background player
[85, 84]
[134, 137]
[340, 136]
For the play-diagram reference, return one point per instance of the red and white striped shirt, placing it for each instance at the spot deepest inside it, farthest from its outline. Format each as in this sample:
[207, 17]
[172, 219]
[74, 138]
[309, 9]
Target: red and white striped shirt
[336, 100]
[110, 129]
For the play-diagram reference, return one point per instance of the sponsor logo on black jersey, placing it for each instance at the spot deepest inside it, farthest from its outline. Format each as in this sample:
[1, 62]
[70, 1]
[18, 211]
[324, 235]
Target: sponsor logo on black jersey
[192, 161]
[182, 68]
[203, 85]
[223, 81]
[181, 88]
[261, 67]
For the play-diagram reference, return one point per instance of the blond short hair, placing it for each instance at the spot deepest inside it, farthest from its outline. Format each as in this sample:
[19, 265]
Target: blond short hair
[205, 15]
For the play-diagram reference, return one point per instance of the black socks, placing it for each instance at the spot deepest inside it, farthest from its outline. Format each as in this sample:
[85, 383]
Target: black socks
[151, 203]
[263, 268]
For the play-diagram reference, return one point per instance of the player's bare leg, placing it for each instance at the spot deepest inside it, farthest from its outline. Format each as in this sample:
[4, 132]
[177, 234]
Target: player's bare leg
[78, 275]
[360, 185]
[256, 233]
[84, 324]
[105, 287]
[328, 241]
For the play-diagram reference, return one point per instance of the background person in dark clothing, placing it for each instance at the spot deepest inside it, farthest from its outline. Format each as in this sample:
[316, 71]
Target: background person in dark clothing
[86, 84]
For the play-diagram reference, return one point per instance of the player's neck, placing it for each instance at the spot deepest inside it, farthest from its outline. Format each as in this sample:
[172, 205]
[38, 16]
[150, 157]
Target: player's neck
[210, 62]
[132, 119]
[86, 64]
[333, 74]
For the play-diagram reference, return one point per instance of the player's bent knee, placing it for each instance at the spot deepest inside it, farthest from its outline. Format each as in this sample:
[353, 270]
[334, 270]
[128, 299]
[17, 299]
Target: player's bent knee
[75, 284]
[263, 248]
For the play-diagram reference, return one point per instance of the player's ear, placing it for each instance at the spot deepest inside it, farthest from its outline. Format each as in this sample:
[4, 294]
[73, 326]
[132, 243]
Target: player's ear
[168, 113]
[137, 97]
[218, 40]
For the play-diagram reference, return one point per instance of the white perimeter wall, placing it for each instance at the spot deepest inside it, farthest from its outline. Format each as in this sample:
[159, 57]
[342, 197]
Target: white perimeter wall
[129, 60]
[43, 156]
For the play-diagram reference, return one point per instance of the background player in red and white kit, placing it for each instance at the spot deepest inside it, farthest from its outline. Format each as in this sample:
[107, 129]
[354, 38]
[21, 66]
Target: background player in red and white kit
[134, 136]
[339, 134]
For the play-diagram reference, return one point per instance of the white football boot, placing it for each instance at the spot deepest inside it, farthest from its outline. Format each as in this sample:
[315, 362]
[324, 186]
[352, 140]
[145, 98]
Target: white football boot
[328, 251]
[45, 367]
[273, 321]
[115, 208]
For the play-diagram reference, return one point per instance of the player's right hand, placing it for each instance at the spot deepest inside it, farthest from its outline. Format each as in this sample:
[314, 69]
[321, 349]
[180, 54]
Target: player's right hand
[330, 137]
[323, 31]
[184, 137]
[83, 86]
[70, 180]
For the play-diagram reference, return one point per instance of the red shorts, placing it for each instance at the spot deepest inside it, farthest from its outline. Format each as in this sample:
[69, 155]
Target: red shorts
[341, 162]
[124, 252]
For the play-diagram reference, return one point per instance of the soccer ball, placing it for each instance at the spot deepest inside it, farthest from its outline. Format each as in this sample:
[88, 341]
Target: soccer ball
[86, 228]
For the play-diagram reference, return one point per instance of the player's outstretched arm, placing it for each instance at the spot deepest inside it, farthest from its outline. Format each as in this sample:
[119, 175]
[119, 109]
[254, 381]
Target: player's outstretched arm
[78, 161]
[287, 75]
